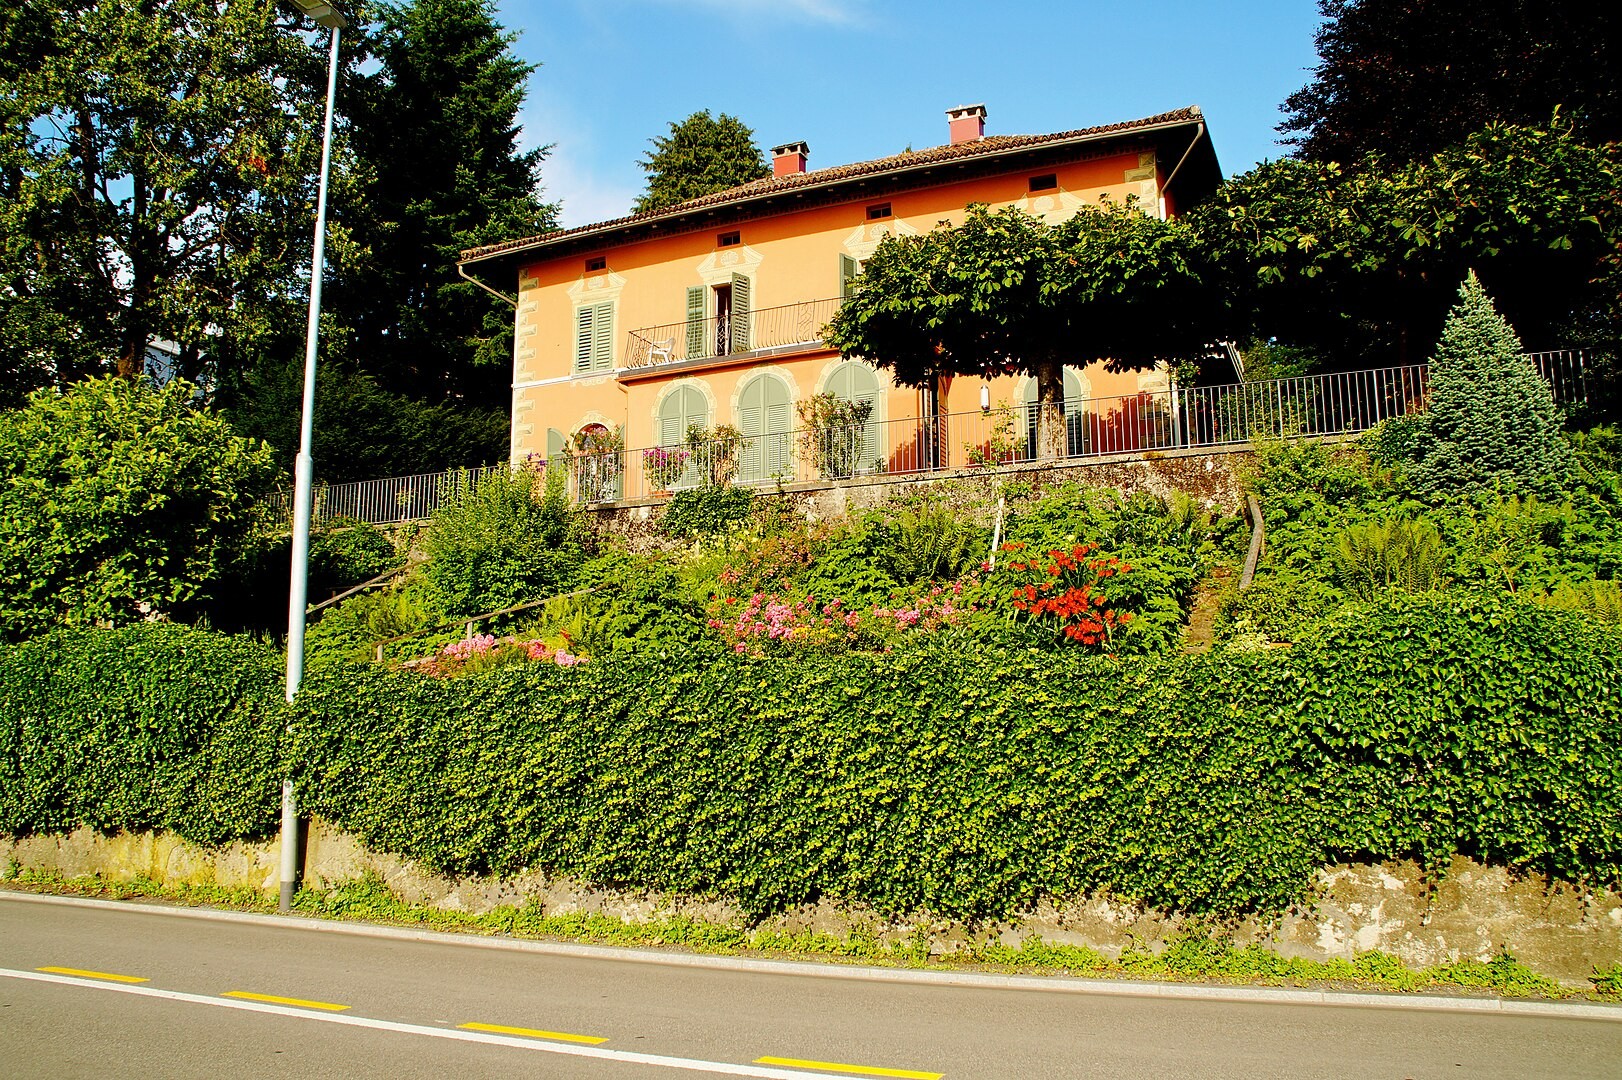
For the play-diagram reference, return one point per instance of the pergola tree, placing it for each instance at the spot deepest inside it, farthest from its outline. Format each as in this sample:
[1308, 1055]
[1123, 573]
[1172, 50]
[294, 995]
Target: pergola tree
[702, 154]
[154, 180]
[1006, 292]
[1409, 78]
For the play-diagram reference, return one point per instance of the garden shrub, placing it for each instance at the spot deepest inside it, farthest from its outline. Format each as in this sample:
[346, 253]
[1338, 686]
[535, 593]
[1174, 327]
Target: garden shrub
[710, 510]
[1400, 553]
[118, 501]
[510, 538]
[1276, 608]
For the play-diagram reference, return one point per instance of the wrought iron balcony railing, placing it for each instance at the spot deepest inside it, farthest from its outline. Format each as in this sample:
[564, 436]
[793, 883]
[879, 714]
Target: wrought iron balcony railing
[726, 335]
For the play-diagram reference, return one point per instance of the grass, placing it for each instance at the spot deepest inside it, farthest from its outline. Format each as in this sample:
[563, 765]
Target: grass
[1191, 957]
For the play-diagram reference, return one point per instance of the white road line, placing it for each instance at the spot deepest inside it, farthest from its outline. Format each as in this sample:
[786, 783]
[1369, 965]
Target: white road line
[626, 1056]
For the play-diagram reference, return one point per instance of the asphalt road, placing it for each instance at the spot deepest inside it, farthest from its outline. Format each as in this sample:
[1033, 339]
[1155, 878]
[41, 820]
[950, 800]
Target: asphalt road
[213, 1002]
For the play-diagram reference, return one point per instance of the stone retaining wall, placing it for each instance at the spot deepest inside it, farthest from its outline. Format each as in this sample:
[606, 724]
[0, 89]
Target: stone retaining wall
[1473, 912]
[1211, 477]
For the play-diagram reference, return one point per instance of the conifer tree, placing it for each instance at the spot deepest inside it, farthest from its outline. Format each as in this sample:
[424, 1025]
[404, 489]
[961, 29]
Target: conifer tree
[701, 155]
[1492, 420]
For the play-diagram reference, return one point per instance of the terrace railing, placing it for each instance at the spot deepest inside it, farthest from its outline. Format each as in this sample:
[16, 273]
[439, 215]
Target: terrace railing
[700, 339]
[1340, 403]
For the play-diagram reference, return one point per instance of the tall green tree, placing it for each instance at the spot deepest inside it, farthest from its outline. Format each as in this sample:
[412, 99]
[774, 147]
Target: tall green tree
[701, 155]
[154, 181]
[1409, 78]
[1007, 292]
[1360, 265]
[439, 169]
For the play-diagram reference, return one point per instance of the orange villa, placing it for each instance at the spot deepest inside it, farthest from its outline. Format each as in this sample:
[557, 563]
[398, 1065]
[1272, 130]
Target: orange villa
[710, 312]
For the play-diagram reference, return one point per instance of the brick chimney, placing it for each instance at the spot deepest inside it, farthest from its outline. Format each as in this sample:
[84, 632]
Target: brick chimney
[967, 123]
[789, 159]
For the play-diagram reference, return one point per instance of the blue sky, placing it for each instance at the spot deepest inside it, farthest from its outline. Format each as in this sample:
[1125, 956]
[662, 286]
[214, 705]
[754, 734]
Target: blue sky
[860, 79]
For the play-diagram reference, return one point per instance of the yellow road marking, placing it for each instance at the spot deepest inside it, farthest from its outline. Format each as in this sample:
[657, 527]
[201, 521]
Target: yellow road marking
[533, 1033]
[109, 976]
[851, 1070]
[274, 1000]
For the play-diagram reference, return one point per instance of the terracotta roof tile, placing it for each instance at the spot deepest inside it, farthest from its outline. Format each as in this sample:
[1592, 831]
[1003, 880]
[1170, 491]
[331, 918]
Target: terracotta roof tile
[772, 185]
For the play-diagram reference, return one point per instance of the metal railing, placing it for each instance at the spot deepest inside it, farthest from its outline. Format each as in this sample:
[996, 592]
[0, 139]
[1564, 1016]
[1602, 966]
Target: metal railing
[762, 328]
[1339, 403]
[387, 501]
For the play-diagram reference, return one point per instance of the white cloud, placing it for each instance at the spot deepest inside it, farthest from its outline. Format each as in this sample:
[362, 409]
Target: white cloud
[587, 195]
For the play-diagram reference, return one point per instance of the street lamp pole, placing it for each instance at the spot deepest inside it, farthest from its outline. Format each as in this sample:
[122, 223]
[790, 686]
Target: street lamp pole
[297, 592]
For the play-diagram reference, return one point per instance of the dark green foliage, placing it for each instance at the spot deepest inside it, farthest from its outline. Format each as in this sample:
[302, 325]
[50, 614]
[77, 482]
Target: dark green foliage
[435, 129]
[510, 538]
[702, 154]
[969, 782]
[146, 727]
[363, 431]
[252, 596]
[118, 500]
[708, 510]
[1492, 422]
[1408, 79]
[1357, 264]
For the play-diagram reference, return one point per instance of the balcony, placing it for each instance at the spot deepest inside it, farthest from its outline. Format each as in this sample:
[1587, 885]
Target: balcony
[762, 332]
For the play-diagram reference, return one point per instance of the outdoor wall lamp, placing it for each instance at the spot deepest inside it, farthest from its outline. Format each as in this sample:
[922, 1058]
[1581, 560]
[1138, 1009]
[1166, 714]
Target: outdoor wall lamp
[985, 398]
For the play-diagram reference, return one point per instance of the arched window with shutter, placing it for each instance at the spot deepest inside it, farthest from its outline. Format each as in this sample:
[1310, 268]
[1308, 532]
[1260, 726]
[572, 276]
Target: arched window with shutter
[683, 406]
[857, 381]
[766, 418]
[1075, 415]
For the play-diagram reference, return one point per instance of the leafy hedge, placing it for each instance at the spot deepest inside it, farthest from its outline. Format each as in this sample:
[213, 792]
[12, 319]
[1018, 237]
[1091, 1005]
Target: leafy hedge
[960, 782]
[149, 726]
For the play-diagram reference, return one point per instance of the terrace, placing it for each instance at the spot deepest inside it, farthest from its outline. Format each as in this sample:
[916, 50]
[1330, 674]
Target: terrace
[1212, 418]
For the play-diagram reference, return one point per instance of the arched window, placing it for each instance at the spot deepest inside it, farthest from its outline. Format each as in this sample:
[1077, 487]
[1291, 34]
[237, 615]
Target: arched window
[856, 381]
[1075, 415]
[766, 417]
[681, 408]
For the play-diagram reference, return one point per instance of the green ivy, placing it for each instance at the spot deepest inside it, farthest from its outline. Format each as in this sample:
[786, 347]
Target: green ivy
[952, 778]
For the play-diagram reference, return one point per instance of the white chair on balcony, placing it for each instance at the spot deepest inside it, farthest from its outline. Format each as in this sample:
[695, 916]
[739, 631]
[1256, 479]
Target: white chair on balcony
[659, 352]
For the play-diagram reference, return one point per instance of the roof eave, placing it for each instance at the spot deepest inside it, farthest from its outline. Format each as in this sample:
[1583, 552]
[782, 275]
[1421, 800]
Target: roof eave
[609, 228]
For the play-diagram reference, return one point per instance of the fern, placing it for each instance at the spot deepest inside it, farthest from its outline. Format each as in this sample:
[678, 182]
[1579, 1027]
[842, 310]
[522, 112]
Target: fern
[1403, 554]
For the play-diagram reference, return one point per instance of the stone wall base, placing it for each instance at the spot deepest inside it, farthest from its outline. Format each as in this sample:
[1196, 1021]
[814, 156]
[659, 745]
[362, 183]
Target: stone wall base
[1473, 913]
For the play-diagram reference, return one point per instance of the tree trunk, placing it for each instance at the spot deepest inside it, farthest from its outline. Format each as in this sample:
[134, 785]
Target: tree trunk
[1050, 430]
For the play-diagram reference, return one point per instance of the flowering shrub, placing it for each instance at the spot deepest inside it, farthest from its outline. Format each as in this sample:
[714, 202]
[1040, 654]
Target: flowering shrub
[765, 622]
[485, 652]
[663, 466]
[1064, 590]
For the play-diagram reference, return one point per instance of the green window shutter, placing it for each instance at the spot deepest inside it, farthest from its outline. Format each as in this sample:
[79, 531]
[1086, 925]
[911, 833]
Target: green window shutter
[856, 381]
[740, 313]
[602, 349]
[848, 269]
[557, 444]
[695, 322]
[766, 417]
[583, 337]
